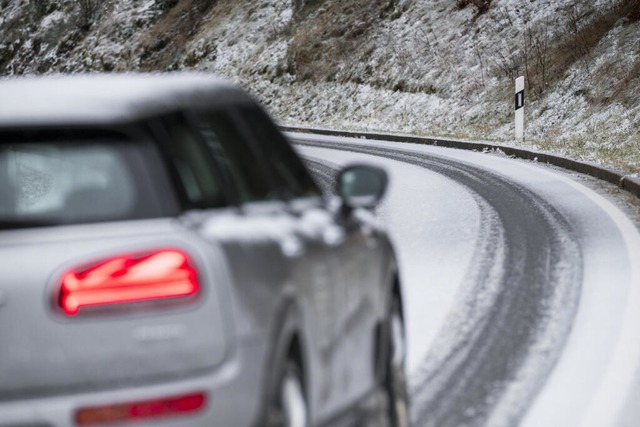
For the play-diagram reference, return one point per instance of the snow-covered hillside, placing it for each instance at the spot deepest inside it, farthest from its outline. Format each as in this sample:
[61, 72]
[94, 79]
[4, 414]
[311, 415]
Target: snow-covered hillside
[434, 67]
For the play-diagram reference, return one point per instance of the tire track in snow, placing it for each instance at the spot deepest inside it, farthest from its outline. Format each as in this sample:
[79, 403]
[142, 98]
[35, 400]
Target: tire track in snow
[512, 314]
[325, 174]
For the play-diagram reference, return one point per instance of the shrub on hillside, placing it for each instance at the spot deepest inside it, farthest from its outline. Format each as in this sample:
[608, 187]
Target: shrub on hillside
[87, 13]
[204, 4]
[632, 9]
[164, 5]
[298, 5]
[481, 5]
[330, 39]
[164, 43]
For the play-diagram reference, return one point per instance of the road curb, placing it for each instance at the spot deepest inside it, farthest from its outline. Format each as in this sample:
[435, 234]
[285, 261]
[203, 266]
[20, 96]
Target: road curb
[625, 182]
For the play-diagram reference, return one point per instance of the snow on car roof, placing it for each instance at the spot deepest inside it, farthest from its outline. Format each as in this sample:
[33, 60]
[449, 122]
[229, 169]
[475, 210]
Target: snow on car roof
[87, 99]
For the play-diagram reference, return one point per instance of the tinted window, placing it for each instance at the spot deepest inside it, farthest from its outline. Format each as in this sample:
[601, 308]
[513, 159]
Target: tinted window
[73, 180]
[292, 176]
[192, 166]
[235, 158]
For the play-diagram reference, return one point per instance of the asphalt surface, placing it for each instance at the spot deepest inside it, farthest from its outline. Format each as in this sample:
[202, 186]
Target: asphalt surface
[515, 310]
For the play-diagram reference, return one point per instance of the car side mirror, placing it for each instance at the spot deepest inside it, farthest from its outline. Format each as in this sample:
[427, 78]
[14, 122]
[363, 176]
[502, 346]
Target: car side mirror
[361, 186]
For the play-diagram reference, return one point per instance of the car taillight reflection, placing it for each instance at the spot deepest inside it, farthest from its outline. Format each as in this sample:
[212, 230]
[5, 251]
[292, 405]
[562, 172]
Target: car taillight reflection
[142, 410]
[122, 279]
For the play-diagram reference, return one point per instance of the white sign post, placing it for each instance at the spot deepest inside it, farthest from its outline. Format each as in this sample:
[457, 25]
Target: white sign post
[519, 108]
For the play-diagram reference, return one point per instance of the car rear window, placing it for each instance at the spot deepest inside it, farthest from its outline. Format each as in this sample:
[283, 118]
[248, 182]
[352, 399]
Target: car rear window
[74, 180]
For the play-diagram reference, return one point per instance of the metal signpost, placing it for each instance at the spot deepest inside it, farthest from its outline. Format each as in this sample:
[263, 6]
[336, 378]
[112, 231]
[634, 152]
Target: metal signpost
[519, 104]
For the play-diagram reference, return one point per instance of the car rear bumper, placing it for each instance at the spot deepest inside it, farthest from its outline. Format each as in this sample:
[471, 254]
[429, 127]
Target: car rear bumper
[232, 392]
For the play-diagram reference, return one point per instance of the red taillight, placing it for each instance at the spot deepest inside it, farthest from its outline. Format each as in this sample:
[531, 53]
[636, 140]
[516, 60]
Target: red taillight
[123, 279]
[141, 411]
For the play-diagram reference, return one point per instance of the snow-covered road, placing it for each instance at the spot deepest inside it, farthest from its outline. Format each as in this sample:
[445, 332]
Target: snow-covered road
[522, 286]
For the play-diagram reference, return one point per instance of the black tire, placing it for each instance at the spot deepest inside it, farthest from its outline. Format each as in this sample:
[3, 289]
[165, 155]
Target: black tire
[395, 380]
[289, 406]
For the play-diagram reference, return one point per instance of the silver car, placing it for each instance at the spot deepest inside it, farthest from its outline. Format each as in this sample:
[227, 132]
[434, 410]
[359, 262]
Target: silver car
[167, 259]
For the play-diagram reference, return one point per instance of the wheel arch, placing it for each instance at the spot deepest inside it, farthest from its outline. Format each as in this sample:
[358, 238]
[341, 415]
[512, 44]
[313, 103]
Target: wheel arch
[392, 291]
[288, 345]
[396, 292]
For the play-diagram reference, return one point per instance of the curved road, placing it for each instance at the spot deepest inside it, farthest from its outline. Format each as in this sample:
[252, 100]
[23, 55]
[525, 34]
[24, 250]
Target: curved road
[520, 286]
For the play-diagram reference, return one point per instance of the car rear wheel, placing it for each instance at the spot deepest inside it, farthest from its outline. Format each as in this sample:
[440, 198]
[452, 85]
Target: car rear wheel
[289, 408]
[395, 382]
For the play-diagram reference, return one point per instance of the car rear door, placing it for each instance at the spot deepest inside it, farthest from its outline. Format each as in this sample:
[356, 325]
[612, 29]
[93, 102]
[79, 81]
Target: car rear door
[353, 252]
[358, 265]
[321, 228]
[276, 245]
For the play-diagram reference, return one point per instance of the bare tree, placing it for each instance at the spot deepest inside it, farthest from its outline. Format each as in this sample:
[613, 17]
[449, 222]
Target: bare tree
[479, 54]
[536, 57]
[87, 13]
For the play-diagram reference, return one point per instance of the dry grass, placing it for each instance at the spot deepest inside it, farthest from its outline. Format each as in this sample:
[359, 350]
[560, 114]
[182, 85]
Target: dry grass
[631, 9]
[595, 148]
[164, 43]
[332, 35]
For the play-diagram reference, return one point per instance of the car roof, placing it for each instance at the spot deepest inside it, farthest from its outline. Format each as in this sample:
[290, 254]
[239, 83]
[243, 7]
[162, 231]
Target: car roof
[102, 99]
